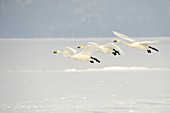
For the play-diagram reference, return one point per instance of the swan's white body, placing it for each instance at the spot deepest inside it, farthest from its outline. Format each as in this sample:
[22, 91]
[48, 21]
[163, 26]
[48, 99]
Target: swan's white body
[107, 48]
[143, 45]
[84, 55]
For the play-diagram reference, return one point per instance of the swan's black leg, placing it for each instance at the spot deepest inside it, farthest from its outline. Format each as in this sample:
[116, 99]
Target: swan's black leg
[116, 52]
[91, 61]
[149, 51]
[95, 59]
[154, 48]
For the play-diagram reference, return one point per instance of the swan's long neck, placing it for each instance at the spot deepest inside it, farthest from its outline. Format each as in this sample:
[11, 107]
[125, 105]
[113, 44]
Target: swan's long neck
[66, 54]
[125, 43]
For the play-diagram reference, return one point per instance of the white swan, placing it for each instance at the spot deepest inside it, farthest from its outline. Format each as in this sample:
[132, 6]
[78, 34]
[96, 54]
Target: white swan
[107, 48]
[143, 45]
[84, 55]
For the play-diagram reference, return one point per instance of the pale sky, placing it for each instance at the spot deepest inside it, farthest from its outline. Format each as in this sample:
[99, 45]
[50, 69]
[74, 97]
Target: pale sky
[84, 18]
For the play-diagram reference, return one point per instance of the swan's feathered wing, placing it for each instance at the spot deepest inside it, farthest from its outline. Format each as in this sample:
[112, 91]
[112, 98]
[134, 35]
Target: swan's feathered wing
[70, 51]
[112, 46]
[89, 50]
[92, 43]
[99, 47]
[150, 42]
[109, 46]
[123, 36]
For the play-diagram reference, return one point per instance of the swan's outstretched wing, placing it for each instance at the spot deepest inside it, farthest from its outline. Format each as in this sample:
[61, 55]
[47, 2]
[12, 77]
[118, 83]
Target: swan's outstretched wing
[124, 36]
[112, 46]
[70, 51]
[89, 50]
[92, 43]
[150, 42]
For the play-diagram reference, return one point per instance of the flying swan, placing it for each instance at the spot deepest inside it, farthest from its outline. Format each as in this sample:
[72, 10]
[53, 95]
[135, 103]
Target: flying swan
[107, 48]
[143, 45]
[84, 55]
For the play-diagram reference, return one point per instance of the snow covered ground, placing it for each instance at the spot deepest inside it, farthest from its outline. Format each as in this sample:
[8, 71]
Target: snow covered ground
[34, 80]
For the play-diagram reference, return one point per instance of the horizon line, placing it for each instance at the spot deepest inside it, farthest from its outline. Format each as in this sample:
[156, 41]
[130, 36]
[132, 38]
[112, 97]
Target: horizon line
[81, 37]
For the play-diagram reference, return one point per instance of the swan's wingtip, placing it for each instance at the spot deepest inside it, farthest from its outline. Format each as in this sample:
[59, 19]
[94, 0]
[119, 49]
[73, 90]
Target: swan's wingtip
[115, 32]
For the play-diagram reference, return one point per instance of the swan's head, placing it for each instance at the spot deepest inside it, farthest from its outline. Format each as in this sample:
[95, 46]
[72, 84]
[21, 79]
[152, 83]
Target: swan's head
[56, 51]
[116, 40]
[80, 47]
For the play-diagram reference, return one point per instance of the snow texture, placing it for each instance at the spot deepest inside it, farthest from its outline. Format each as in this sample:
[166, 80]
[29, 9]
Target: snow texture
[34, 80]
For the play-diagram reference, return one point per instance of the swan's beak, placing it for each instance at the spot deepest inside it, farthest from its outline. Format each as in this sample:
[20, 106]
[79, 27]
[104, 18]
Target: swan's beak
[79, 47]
[116, 40]
[55, 51]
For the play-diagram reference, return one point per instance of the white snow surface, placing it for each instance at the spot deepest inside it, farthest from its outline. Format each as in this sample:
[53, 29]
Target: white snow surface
[34, 80]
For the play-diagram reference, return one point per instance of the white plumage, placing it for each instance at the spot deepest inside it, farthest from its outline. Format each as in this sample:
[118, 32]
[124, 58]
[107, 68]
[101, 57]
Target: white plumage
[107, 48]
[84, 55]
[143, 45]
